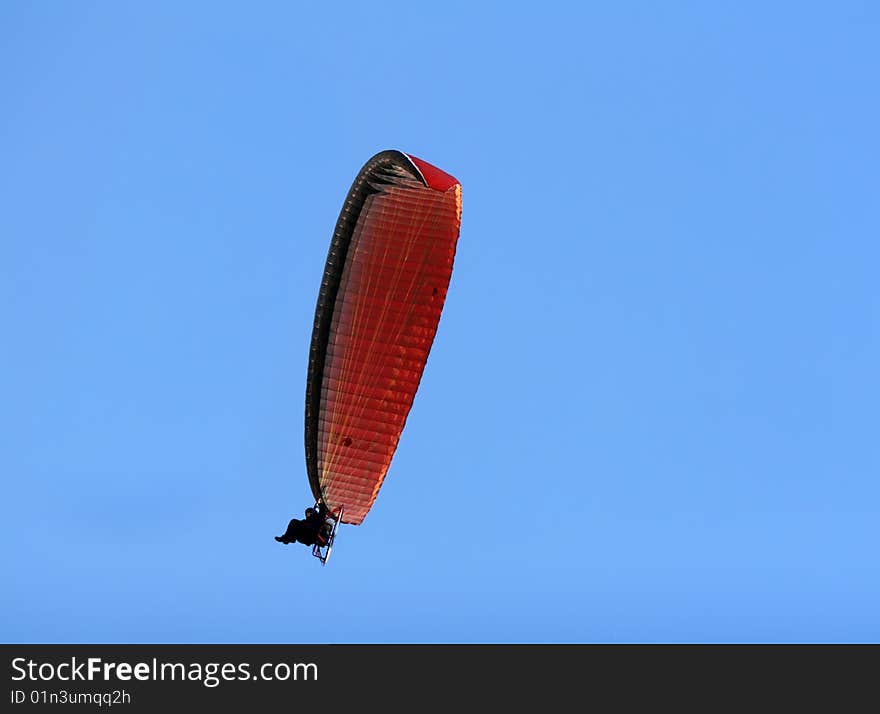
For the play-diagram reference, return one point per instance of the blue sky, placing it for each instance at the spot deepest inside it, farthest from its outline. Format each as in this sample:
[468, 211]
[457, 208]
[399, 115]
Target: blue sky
[651, 410]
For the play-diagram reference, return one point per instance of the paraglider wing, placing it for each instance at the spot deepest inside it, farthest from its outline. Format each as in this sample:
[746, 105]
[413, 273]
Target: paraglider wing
[379, 304]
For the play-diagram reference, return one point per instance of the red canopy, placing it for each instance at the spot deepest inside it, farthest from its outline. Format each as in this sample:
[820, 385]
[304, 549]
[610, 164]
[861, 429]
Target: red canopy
[385, 282]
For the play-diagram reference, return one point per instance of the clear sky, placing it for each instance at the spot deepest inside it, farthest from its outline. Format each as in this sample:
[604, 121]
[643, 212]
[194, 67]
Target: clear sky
[651, 411]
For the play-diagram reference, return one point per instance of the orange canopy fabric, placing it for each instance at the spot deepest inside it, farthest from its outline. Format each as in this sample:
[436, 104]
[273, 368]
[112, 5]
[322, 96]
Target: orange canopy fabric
[385, 283]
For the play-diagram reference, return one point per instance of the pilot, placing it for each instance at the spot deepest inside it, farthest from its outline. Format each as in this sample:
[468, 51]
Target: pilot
[307, 530]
